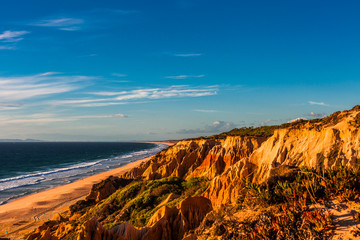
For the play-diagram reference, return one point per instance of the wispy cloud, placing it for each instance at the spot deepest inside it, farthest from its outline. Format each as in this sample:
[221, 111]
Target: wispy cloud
[12, 36]
[118, 115]
[13, 89]
[316, 115]
[188, 54]
[49, 73]
[205, 110]
[103, 104]
[158, 93]
[42, 119]
[125, 97]
[215, 127]
[65, 24]
[266, 122]
[70, 28]
[297, 120]
[185, 76]
[7, 47]
[119, 75]
[318, 103]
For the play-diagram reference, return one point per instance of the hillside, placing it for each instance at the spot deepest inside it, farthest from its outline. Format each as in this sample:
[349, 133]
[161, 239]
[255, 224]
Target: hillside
[278, 182]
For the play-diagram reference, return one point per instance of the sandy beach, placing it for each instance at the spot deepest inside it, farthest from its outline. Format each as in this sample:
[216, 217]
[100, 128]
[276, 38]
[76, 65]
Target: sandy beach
[24, 214]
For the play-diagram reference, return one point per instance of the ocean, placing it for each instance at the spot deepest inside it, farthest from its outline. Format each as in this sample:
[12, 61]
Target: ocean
[29, 167]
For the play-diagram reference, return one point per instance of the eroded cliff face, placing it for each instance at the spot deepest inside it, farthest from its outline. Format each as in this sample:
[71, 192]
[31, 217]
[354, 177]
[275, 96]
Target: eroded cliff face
[316, 144]
[226, 163]
[332, 141]
[195, 158]
[166, 223]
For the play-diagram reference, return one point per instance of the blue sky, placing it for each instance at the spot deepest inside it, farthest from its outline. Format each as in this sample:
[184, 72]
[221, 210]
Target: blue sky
[154, 70]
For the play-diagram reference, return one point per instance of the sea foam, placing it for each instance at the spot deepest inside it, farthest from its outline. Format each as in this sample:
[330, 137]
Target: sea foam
[36, 181]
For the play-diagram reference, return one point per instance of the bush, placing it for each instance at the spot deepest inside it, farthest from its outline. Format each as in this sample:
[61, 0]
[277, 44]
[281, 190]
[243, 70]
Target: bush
[298, 219]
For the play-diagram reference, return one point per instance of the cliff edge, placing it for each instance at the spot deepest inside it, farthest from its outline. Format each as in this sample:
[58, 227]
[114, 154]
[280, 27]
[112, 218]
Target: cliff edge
[185, 185]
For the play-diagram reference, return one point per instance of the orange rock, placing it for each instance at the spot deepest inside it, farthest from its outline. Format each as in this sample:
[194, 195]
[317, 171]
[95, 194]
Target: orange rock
[163, 212]
[57, 217]
[93, 230]
[193, 158]
[193, 211]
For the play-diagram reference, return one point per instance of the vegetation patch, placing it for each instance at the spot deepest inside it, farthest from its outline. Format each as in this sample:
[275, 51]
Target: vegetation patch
[137, 202]
[291, 207]
[301, 202]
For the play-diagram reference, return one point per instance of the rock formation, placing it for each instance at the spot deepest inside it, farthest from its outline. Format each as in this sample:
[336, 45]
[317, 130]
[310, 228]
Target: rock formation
[226, 163]
[208, 158]
[166, 223]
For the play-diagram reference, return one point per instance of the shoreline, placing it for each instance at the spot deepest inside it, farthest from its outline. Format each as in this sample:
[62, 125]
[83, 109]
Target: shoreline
[18, 216]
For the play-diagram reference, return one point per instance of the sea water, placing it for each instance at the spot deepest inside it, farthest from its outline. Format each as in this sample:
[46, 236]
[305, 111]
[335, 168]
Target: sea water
[29, 167]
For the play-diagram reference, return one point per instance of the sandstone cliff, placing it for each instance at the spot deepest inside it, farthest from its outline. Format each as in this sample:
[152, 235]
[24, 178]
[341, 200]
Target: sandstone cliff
[332, 141]
[188, 158]
[165, 193]
[318, 144]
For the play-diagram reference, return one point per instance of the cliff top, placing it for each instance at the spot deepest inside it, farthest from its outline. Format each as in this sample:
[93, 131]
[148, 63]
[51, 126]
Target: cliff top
[317, 123]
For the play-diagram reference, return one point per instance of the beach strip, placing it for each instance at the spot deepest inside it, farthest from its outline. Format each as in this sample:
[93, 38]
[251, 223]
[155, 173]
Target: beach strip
[26, 213]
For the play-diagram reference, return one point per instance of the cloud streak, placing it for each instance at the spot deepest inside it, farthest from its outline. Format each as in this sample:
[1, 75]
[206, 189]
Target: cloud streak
[185, 76]
[108, 98]
[65, 24]
[316, 115]
[7, 47]
[42, 119]
[12, 36]
[215, 127]
[14, 89]
[318, 103]
[205, 110]
[188, 54]
[299, 119]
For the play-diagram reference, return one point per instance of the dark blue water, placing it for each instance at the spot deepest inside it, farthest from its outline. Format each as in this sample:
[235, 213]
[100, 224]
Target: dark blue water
[28, 167]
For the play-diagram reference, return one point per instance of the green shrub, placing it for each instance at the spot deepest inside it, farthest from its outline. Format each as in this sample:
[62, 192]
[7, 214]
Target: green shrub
[298, 217]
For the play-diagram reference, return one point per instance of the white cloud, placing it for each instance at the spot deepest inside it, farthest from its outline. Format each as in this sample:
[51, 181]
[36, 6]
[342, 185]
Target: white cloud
[26, 87]
[185, 76]
[316, 115]
[125, 97]
[66, 24]
[70, 28]
[7, 47]
[318, 103]
[188, 54]
[119, 75]
[215, 127]
[49, 73]
[265, 122]
[76, 101]
[297, 120]
[60, 22]
[119, 115]
[42, 119]
[101, 104]
[158, 93]
[12, 36]
[205, 110]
